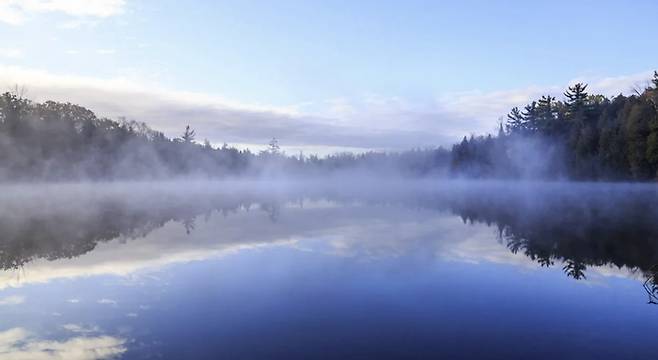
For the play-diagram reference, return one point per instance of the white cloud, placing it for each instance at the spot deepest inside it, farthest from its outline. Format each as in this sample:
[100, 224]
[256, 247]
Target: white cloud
[77, 328]
[368, 122]
[12, 300]
[107, 301]
[17, 343]
[105, 51]
[611, 86]
[11, 53]
[222, 120]
[77, 23]
[485, 107]
[10, 13]
[73, 301]
[16, 12]
[214, 117]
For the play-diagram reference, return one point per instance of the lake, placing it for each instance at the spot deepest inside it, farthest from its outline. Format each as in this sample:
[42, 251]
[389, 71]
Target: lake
[367, 269]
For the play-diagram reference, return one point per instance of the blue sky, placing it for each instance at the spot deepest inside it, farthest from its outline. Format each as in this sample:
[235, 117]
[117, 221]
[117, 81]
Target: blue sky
[321, 76]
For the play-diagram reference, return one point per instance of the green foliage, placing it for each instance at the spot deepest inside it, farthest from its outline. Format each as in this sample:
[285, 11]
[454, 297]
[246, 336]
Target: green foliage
[63, 141]
[516, 121]
[54, 141]
[583, 137]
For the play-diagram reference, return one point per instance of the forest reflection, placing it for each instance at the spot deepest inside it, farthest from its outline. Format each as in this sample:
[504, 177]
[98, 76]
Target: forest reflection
[574, 227]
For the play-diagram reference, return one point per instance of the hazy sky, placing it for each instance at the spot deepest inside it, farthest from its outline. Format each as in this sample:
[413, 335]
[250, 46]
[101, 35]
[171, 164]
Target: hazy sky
[321, 75]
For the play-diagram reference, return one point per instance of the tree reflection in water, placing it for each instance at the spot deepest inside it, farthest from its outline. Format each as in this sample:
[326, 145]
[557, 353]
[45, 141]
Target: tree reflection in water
[651, 285]
[69, 226]
[591, 225]
[577, 226]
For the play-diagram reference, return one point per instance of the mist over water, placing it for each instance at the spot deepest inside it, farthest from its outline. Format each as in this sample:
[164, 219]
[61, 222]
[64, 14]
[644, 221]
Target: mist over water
[328, 180]
[356, 268]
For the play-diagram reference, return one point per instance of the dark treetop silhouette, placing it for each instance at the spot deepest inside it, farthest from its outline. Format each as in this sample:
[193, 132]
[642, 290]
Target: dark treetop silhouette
[55, 141]
[583, 137]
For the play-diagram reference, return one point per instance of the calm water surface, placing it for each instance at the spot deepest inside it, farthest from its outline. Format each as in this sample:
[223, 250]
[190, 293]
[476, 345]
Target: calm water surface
[403, 270]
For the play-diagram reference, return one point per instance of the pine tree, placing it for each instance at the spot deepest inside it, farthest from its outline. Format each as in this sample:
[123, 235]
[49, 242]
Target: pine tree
[188, 135]
[576, 97]
[530, 117]
[273, 147]
[516, 122]
[546, 114]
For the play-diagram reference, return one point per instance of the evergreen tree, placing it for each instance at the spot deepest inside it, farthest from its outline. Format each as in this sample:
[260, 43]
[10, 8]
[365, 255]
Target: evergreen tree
[516, 122]
[576, 97]
[637, 132]
[273, 147]
[612, 149]
[188, 135]
[530, 117]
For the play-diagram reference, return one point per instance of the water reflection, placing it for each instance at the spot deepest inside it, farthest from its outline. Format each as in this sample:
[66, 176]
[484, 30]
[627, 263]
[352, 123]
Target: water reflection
[651, 285]
[576, 226]
[34, 225]
[75, 238]
[18, 343]
[590, 225]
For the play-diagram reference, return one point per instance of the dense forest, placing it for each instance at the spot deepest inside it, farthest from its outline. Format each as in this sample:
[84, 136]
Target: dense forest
[63, 141]
[583, 137]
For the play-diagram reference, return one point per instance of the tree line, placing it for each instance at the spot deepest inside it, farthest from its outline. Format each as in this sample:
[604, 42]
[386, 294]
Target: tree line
[64, 141]
[583, 137]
